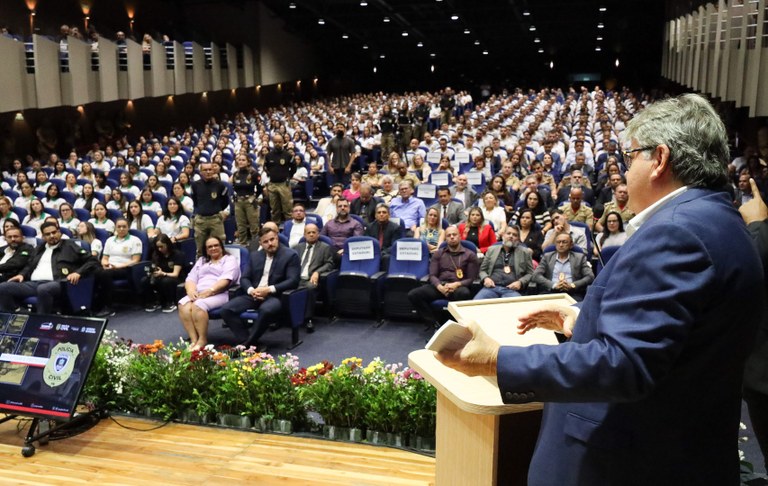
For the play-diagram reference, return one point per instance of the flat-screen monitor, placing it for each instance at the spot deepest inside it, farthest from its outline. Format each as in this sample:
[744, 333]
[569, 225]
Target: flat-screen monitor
[44, 361]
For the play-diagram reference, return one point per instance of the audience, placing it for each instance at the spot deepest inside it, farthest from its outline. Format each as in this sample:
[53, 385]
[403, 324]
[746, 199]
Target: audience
[524, 142]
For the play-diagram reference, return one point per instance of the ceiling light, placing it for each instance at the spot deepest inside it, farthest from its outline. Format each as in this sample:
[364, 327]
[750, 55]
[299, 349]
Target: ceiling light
[432, 54]
[599, 38]
[374, 69]
[344, 36]
[602, 9]
[526, 13]
[420, 44]
[536, 40]
[404, 34]
[532, 28]
[477, 42]
[365, 46]
[617, 62]
[363, 3]
[382, 56]
[600, 25]
[485, 53]
[321, 21]
[386, 20]
[454, 17]
[292, 5]
[467, 31]
[598, 49]
[432, 68]
[541, 51]
[551, 65]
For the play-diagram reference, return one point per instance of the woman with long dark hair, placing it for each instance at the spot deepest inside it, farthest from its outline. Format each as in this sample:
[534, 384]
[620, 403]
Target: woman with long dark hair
[613, 234]
[139, 221]
[174, 222]
[536, 205]
[159, 287]
[477, 230]
[530, 236]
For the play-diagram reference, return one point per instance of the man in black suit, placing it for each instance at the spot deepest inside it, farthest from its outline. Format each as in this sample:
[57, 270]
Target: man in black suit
[450, 210]
[385, 231]
[365, 205]
[316, 259]
[755, 214]
[15, 255]
[269, 273]
[52, 264]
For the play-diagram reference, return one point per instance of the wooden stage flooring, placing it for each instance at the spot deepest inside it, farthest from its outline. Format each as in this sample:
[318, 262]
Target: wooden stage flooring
[108, 454]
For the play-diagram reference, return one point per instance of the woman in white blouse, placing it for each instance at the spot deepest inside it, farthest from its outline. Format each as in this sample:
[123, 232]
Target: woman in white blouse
[139, 221]
[174, 222]
[494, 213]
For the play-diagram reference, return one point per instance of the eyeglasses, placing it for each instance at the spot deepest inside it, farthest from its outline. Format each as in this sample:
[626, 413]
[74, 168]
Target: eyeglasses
[627, 154]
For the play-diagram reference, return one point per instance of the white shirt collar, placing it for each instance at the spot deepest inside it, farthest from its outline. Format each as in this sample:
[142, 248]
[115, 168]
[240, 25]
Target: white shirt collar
[635, 223]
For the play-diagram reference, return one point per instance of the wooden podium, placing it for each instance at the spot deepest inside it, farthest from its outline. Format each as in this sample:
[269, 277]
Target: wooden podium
[479, 439]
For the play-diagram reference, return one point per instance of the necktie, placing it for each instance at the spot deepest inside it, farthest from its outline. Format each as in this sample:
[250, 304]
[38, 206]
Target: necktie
[305, 261]
[445, 211]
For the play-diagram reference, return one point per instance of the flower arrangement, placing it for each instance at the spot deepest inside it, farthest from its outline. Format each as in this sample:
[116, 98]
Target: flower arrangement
[106, 381]
[385, 395]
[337, 393]
[171, 380]
[421, 398]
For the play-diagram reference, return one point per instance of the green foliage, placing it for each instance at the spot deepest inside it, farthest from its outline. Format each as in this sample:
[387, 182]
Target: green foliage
[167, 380]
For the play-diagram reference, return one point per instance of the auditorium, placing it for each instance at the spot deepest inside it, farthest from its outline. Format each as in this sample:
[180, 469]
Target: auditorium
[237, 237]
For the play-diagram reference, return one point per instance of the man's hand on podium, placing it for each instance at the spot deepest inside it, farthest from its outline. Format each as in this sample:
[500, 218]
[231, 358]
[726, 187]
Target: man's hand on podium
[476, 358]
[554, 317]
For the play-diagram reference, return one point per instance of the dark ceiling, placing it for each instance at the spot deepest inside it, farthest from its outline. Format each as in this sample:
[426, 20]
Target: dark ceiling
[490, 41]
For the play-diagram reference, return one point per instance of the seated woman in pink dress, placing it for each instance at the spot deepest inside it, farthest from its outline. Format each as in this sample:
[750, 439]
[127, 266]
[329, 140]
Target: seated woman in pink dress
[206, 286]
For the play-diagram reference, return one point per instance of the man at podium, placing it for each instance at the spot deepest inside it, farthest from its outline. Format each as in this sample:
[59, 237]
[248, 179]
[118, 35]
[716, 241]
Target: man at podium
[648, 388]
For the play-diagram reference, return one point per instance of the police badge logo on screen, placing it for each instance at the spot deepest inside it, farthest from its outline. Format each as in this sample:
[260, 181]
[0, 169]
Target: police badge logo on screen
[59, 367]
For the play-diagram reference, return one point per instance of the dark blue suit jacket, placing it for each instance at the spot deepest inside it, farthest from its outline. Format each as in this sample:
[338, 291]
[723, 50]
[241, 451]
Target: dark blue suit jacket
[284, 273]
[648, 389]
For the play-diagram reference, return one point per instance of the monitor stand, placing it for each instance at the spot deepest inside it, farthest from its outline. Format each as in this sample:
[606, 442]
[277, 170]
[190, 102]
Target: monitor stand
[42, 430]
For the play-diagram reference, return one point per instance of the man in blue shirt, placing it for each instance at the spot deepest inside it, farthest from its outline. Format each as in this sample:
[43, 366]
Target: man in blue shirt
[410, 209]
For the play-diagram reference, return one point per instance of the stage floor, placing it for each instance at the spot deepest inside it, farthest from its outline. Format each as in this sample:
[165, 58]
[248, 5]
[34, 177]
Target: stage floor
[188, 454]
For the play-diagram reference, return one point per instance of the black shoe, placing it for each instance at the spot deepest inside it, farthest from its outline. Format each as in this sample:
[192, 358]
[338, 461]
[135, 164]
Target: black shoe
[310, 327]
[106, 312]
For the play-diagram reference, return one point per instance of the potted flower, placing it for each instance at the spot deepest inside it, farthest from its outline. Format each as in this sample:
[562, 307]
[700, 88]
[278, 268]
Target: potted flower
[154, 380]
[421, 400]
[105, 385]
[282, 399]
[202, 369]
[386, 412]
[337, 395]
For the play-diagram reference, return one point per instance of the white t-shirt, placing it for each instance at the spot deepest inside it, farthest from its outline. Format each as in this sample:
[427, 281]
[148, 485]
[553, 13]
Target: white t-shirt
[172, 227]
[107, 225]
[120, 251]
[146, 222]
